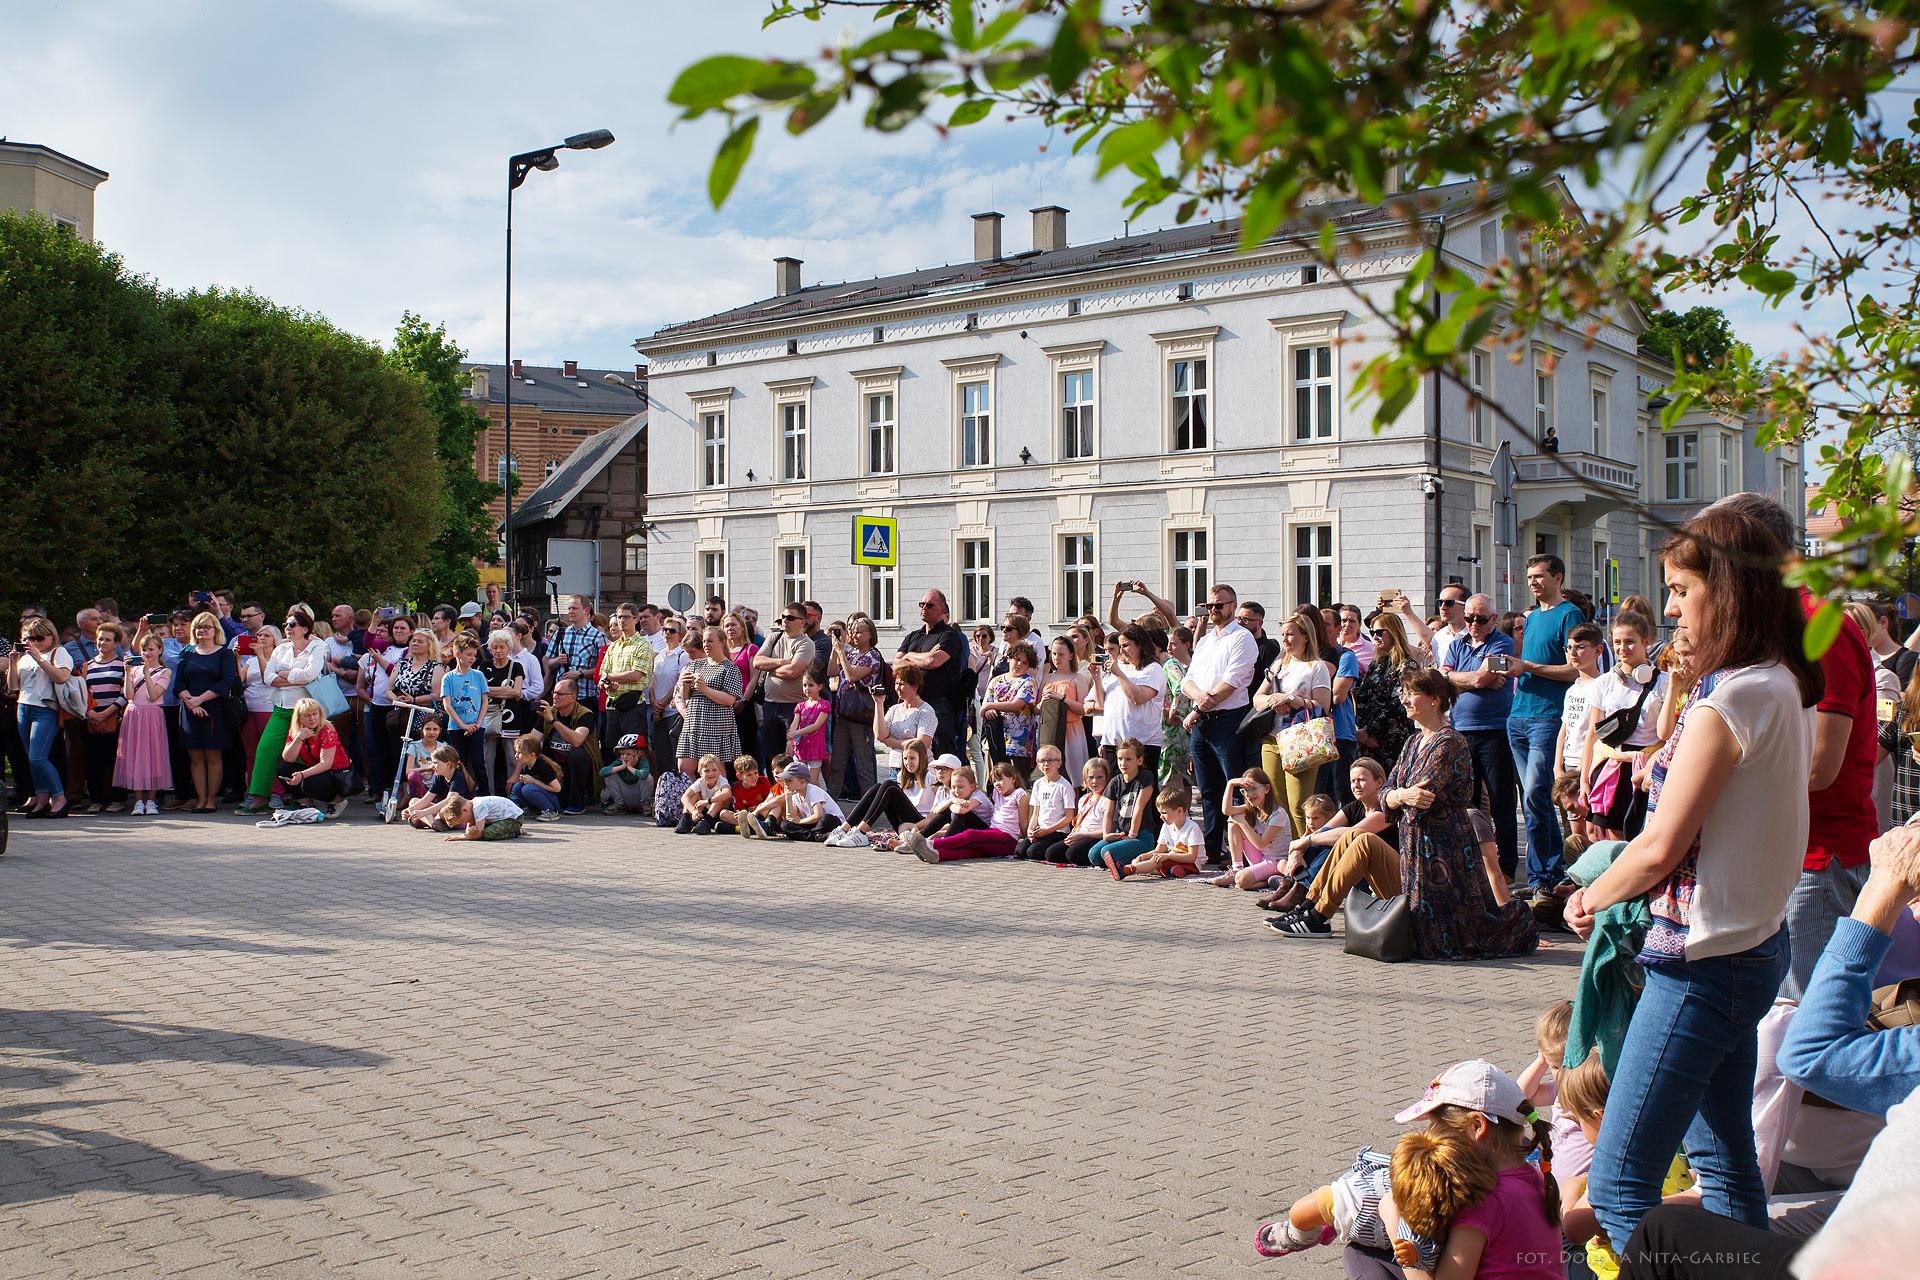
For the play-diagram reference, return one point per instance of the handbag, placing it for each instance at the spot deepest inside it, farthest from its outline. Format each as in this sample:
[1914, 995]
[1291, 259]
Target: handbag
[1379, 928]
[852, 702]
[233, 710]
[1307, 743]
[1895, 1006]
[1257, 723]
[325, 690]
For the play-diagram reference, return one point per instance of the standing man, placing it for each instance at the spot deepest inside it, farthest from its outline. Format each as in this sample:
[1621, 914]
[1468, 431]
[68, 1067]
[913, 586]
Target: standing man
[224, 602]
[575, 650]
[1353, 638]
[1480, 714]
[1887, 651]
[626, 672]
[82, 650]
[1222, 668]
[1253, 616]
[716, 610]
[1533, 721]
[784, 659]
[940, 652]
[649, 620]
[1453, 623]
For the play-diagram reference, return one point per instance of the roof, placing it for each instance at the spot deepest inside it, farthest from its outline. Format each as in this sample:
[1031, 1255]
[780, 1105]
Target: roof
[17, 152]
[551, 391]
[1213, 238]
[581, 466]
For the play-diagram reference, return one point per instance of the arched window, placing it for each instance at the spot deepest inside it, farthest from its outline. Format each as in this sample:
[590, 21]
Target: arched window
[636, 548]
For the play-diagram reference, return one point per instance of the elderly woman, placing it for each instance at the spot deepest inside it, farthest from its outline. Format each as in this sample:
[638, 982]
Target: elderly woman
[308, 760]
[206, 674]
[106, 678]
[503, 720]
[295, 664]
[40, 665]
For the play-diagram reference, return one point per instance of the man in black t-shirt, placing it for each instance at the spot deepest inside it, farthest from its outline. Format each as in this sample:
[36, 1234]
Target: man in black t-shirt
[940, 652]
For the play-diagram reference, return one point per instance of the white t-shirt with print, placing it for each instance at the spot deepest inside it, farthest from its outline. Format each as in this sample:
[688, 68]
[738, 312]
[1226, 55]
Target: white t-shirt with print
[1184, 840]
[1615, 691]
[1051, 801]
[495, 809]
[36, 686]
[1573, 718]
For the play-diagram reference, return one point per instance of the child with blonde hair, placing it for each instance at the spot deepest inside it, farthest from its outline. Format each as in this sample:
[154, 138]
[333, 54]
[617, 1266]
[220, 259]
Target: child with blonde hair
[449, 777]
[1065, 848]
[1178, 848]
[702, 803]
[1583, 1099]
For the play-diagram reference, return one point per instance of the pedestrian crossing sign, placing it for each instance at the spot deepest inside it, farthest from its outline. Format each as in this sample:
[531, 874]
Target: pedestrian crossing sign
[876, 540]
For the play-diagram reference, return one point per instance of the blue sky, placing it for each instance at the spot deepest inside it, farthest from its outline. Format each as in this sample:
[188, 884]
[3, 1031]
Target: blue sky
[348, 157]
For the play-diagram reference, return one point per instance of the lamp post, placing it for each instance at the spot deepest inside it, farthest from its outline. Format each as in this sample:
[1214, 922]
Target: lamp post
[518, 167]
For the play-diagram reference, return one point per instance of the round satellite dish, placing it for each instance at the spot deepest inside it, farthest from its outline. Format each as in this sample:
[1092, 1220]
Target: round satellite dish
[680, 597]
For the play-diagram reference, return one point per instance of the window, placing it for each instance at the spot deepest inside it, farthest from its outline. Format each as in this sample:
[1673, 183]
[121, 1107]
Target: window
[1190, 570]
[880, 434]
[1683, 467]
[713, 434]
[713, 574]
[548, 468]
[976, 580]
[1189, 405]
[793, 441]
[1076, 416]
[635, 549]
[880, 593]
[1313, 393]
[1312, 564]
[1599, 423]
[1073, 306]
[1482, 554]
[1490, 242]
[1076, 575]
[1726, 469]
[1477, 410]
[793, 575]
[1790, 494]
[1542, 404]
[976, 424]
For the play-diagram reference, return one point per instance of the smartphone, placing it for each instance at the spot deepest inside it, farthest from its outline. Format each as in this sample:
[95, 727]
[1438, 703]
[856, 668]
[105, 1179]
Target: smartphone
[156, 619]
[1387, 597]
[1501, 662]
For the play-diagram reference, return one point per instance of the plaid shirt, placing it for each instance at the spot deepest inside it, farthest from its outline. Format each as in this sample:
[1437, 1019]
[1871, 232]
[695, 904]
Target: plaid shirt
[579, 648]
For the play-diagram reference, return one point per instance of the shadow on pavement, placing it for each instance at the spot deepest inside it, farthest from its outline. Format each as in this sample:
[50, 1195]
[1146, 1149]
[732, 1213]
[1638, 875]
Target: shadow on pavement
[102, 1039]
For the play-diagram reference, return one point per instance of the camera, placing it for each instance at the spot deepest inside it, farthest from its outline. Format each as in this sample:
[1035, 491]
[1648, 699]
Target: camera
[1500, 662]
[156, 619]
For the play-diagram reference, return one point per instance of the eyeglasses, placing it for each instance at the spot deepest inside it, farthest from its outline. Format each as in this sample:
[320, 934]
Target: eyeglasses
[1479, 617]
[1379, 633]
[1218, 605]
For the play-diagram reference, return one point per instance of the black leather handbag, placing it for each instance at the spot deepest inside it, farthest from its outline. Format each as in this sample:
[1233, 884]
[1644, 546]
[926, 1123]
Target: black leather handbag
[1379, 928]
[1258, 723]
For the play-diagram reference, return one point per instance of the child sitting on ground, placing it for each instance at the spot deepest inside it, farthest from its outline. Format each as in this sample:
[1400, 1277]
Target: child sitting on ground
[482, 818]
[535, 781]
[624, 782]
[1296, 871]
[1006, 818]
[417, 757]
[447, 778]
[748, 792]
[1065, 848]
[1255, 824]
[964, 807]
[1430, 1175]
[1051, 802]
[703, 802]
[1583, 1097]
[1572, 1153]
[1133, 824]
[1178, 848]
[799, 810]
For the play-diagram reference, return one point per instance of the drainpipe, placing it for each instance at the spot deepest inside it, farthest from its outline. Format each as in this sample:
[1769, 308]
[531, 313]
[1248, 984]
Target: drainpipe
[1438, 494]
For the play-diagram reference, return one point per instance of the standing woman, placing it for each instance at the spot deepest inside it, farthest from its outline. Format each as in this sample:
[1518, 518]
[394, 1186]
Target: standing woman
[144, 766]
[1455, 915]
[1344, 665]
[106, 676]
[205, 674]
[1063, 681]
[746, 721]
[712, 686]
[39, 665]
[372, 683]
[1175, 754]
[295, 663]
[505, 678]
[857, 662]
[1297, 685]
[1381, 723]
[415, 683]
[1011, 699]
[253, 675]
[1127, 687]
[1721, 851]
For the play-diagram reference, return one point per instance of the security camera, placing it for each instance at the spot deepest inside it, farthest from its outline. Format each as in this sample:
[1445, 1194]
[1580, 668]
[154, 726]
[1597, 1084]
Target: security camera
[1431, 486]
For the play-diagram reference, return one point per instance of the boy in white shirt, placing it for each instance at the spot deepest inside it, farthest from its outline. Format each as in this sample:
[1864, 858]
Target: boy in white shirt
[1181, 844]
[483, 817]
[804, 812]
[1050, 801]
[702, 803]
[1584, 646]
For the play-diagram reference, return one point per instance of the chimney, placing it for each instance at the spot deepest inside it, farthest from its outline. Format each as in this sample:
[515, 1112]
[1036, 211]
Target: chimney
[572, 368]
[639, 373]
[786, 276]
[986, 237]
[479, 385]
[1049, 228]
[516, 370]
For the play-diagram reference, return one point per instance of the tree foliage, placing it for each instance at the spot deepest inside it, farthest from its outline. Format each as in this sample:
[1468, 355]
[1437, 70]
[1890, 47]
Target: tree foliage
[1730, 114]
[465, 527]
[158, 442]
[1694, 339]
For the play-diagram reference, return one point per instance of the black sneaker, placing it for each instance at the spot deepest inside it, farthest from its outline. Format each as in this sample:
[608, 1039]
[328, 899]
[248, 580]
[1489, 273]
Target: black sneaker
[1307, 924]
[704, 827]
[685, 826]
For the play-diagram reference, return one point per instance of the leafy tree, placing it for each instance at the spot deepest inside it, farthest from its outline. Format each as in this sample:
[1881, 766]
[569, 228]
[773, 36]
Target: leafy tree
[1734, 112]
[164, 442]
[465, 528]
[1695, 339]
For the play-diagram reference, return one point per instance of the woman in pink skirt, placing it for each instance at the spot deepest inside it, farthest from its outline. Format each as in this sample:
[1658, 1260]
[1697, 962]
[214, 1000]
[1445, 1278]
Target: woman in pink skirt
[143, 766]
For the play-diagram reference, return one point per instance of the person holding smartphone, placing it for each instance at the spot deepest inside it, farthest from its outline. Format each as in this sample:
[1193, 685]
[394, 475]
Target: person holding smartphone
[1480, 664]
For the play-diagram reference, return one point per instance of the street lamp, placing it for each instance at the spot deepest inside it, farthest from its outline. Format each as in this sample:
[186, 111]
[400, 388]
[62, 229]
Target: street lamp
[518, 167]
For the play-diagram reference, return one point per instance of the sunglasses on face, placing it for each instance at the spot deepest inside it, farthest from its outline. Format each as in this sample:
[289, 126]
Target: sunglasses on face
[1217, 606]
[1380, 633]
[1479, 617]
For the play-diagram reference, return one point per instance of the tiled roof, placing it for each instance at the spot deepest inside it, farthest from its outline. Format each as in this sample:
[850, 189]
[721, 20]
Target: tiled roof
[551, 391]
[585, 462]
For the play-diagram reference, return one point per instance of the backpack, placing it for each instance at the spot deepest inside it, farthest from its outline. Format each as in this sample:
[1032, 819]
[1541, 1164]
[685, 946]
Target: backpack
[667, 792]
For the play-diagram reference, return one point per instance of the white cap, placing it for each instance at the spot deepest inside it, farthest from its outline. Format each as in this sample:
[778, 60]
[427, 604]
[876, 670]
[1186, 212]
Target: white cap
[1478, 1086]
[471, 609]
[948, 761]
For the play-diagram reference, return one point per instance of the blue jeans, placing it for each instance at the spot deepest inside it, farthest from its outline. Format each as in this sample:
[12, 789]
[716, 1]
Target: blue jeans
[1124, 850]
[1531, 739]
[1820, 900]
[533, 797]
[40, 730]
[1219, 755]
[1685, 1082]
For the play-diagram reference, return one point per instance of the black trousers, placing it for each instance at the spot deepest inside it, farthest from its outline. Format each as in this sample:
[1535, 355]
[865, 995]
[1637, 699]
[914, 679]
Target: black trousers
[321, 788]
[1493, 769]
[579, 786]
[1053, 846]
[102, 750]
[884, 800]
[1686, 1242]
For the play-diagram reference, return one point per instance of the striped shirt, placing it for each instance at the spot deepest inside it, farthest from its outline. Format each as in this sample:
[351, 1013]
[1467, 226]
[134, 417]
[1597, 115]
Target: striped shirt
[107, 682]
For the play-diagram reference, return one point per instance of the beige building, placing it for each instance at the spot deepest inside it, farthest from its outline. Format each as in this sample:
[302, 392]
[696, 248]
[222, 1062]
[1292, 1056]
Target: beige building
[37, 179]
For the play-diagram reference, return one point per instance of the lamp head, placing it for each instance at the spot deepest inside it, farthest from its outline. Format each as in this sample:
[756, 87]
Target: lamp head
[589, 141]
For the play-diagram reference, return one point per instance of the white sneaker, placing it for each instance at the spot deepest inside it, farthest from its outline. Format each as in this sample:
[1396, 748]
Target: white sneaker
[836, 838]
[856, 839]
[152, 809]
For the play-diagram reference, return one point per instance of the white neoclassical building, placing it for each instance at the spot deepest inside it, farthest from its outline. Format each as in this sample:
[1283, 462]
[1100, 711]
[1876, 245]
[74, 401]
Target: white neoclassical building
[1162, 407]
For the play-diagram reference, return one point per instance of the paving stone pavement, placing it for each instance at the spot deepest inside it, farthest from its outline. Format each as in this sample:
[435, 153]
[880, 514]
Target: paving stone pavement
[357, 1050]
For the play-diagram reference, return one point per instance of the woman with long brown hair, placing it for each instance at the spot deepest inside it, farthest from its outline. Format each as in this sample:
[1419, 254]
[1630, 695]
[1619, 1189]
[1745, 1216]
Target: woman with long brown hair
[1725, 836]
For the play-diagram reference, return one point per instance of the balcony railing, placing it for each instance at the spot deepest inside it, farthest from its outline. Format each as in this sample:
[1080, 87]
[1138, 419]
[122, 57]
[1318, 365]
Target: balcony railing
[1543, 468]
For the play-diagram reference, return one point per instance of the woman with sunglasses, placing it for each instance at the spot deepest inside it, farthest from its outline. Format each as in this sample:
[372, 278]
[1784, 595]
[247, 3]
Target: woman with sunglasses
[39, 665]
[296, 663]
[1381, 722]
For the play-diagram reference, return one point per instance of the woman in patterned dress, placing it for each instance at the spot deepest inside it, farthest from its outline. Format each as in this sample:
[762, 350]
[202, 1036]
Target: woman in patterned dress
[1383, 725]
[1430, 791]
[711, 684]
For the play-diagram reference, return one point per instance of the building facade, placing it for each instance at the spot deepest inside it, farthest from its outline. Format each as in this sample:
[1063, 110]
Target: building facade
[1161, 407]
[599, 495]
[37, 179]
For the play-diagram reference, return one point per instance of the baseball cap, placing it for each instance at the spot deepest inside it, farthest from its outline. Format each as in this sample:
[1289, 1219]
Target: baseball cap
[797, 770]
[948, 761]
[1478, 1086]
[471, 609]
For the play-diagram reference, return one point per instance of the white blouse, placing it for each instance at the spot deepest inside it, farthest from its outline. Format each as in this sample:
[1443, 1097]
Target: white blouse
[300, 668]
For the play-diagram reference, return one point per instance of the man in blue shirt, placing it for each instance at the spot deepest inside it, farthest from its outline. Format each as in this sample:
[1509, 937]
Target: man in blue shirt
[1480, 716]
[1533, 722]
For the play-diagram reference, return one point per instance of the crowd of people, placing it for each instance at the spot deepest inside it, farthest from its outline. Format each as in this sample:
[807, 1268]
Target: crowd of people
[1335, 750]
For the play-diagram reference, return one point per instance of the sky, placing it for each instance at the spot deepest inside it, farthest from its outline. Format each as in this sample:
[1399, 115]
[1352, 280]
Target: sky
[348, 157]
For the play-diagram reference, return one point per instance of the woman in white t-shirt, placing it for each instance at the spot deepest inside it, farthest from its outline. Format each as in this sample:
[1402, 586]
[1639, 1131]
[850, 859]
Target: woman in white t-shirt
[40, 665]
[1126, 695]
[1725, 837]
[911, 719]
[1297, 685]
[1612, 790]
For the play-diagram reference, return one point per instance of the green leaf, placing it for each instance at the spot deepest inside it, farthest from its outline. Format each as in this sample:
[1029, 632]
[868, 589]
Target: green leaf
[1129, 143]
[811, 110]
[902, 40]
[1011, 72]
[971, 110]
[1069, 56]
[789, 80]
[711, 82]
[1773, 283]
[1823, 628]
[730, 159]
[960, 23]
[1002, 26]
[900, 102]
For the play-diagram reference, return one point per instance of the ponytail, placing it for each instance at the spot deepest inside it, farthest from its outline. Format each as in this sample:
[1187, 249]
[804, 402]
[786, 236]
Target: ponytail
[1543, 1143]
[445, 754]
